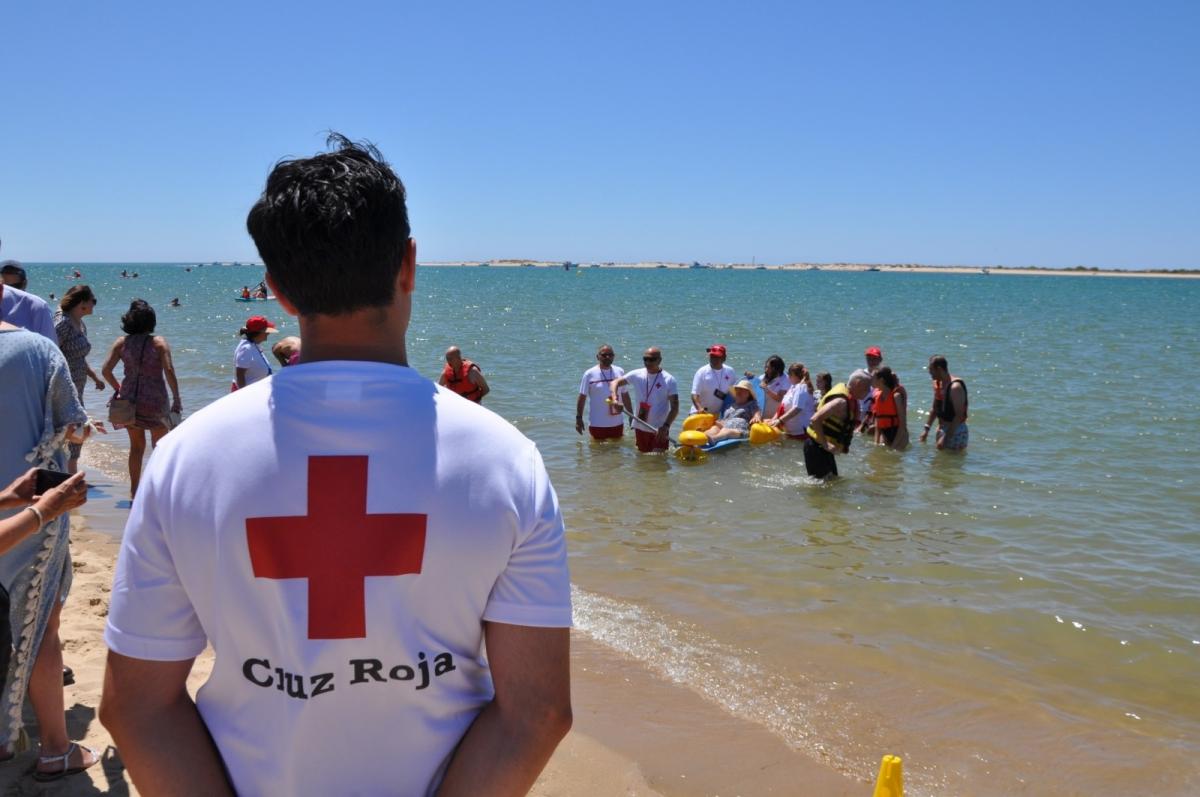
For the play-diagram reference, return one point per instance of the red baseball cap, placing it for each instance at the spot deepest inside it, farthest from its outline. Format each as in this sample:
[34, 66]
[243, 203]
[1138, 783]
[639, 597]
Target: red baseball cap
[874, 351]
[716, 349]
[258, 323]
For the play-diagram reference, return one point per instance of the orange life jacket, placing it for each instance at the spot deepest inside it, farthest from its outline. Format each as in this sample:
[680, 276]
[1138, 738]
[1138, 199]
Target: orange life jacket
[887, 415]
[460, 384]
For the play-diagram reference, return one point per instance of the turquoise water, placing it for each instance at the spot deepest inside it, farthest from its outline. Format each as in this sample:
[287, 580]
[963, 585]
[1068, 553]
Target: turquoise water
[1022, 619]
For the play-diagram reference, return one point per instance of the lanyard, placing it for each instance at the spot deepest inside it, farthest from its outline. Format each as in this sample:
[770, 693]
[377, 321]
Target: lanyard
[605, 379]
[264, 358]
[650, 388]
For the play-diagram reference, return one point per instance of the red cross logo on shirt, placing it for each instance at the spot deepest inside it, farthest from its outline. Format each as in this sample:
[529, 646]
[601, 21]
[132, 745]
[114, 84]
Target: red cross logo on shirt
[336, 546]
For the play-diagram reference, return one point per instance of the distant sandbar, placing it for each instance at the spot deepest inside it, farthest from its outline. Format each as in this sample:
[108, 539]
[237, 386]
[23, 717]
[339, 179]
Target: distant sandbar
[905, 268]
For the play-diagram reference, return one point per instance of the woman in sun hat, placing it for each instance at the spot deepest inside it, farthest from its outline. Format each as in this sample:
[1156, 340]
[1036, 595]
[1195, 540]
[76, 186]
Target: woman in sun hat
[736, 420]
[249, 363]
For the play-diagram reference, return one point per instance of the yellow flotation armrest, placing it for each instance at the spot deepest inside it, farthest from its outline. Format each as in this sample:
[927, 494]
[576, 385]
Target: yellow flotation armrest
[692, 438]
[699, 421]
[761, 433]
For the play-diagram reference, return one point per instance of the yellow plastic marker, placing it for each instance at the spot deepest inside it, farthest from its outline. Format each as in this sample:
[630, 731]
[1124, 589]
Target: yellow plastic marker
[698, 421]
[891, 780]
[761, 433]
[692, 438]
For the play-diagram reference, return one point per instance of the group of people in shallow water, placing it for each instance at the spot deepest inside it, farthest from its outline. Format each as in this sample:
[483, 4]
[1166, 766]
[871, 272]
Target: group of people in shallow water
[824, 415]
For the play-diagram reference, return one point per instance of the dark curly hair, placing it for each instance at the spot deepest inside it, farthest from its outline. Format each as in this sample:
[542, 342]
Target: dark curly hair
[333, 229]
[140, 319]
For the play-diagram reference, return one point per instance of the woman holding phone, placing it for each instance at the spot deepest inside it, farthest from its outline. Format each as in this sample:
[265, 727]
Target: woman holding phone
[42, 414]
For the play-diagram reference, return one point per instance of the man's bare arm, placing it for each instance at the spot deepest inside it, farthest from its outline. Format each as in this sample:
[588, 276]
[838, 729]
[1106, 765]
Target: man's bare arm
[163, 741]
[511, 740]
[475, 377]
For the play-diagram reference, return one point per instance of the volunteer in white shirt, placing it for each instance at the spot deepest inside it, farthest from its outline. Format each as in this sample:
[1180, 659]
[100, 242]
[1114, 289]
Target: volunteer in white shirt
[798, 403]
[774, 383]
[712, 382]
[249, 362]
[866, 416]
[346, 535]
[658, 401]
[605, 421]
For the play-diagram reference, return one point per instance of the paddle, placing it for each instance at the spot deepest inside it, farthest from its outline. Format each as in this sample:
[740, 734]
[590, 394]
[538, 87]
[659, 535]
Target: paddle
[645, 426]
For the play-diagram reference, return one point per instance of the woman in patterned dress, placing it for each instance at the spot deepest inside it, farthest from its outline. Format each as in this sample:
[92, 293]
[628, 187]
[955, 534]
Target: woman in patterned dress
[42, 412]
[77, 302]
[147, 360]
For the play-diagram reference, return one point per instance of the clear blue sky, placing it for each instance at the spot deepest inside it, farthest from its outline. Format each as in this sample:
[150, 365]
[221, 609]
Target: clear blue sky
[1019, 133]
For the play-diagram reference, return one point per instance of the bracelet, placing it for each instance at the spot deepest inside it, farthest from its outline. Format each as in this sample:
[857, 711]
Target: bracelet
[38, 514]
[926, 427]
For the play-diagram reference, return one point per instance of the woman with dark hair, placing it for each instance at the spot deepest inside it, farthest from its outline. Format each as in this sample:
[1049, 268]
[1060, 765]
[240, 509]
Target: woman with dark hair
[774, 384]
[147, 359]
[824, 385]
[249, 363]
[73, 341]
[890, 408]
[41, 413]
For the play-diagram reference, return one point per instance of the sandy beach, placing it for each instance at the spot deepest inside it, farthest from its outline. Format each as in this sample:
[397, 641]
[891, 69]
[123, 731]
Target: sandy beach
[634, 734]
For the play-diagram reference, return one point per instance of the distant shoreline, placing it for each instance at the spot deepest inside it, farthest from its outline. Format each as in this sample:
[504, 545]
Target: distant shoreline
[892, 268]
[838, 267]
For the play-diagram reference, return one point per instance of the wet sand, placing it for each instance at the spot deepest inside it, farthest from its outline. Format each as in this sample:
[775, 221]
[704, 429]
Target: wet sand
[634, 734]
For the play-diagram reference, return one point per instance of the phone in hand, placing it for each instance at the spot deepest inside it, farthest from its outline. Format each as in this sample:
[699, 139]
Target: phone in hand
[48, 480]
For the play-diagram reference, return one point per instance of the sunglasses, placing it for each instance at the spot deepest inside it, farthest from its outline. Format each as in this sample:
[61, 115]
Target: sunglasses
[605, 355]
[651, 359]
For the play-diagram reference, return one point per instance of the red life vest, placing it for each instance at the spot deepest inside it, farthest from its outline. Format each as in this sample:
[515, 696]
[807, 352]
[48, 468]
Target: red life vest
[460, 384]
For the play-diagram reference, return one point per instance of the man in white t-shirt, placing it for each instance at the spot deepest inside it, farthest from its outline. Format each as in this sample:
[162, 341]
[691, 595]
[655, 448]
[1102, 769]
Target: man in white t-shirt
[347, 536]
[658, 401]
[712, 382]
[604, 418]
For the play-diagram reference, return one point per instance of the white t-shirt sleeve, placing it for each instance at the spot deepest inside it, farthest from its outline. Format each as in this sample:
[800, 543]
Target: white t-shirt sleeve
[584, 384]
[150, 615]
[672, 386]
[245, 357]
[535, 588]
[698, 382]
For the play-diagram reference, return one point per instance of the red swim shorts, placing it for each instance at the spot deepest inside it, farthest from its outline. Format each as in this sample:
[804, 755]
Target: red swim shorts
[607, 432]
[648, 441]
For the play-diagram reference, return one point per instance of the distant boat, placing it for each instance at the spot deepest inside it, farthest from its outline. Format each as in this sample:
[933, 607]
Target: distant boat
[985, 271]
[873, 268]
[254, 298]
[697, 264]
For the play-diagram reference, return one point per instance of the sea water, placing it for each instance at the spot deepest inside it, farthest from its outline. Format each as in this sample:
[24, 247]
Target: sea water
[1021, 619]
